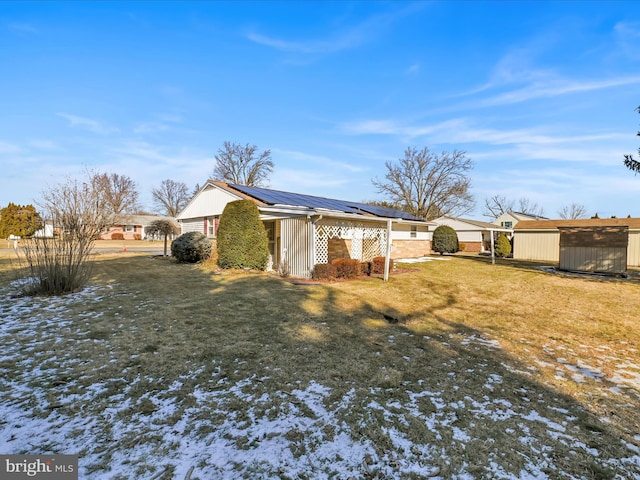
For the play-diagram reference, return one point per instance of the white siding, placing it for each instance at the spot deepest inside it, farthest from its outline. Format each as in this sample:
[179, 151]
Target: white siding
[633, 251]
[210, 201]
[593, 259]
[192, 225]
[402, 231]
[296, 245]
[540, 245]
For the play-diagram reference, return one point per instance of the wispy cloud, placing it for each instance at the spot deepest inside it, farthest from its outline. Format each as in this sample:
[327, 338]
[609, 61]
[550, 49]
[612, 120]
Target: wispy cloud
[21, 27]
[343, 39]
[556, 88]
[9, 148]
[391, 127]
[628, 38]
[163, 124]
[413, 69]
[88, 124]
[307, 158]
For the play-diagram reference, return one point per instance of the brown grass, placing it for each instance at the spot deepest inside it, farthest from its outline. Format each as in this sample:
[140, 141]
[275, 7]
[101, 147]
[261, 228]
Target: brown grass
[162, 321]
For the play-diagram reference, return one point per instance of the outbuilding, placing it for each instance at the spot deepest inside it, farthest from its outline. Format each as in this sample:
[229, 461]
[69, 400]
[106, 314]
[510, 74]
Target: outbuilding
[606, 245]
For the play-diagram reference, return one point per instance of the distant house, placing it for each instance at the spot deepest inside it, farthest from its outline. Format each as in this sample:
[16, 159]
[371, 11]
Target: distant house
[510, 219]
[133, 227]
[306, 230]
[474, 234]
[585, 244]
[45, 232]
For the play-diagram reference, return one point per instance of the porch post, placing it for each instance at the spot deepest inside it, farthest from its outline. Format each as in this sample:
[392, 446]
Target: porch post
[493, 249]
[387, 257]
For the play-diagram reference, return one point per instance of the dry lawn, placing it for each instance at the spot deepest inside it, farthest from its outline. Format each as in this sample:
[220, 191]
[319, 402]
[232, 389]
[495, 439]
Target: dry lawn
[161, 370]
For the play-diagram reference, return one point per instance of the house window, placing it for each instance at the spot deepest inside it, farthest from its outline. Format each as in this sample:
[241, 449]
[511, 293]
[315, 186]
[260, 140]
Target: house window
[130, 228]
[414, 231]
[212, 223]
[507, 224]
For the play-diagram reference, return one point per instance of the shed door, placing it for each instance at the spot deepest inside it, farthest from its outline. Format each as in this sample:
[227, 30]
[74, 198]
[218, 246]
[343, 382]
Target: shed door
[594, 249]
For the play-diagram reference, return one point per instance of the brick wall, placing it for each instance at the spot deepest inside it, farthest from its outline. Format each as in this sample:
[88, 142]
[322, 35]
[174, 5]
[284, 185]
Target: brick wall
[410, 248]
[338, 248]
[471, 247]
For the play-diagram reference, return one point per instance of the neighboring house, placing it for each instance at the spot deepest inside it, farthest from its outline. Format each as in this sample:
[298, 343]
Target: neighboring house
[45, 232]
[305, 230]
[543, 239]
[510, 219]
[474, 234]
[133, 227]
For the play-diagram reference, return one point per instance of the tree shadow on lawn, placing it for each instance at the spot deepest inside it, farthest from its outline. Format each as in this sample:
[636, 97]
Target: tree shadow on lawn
[551, 268]
[171, 332]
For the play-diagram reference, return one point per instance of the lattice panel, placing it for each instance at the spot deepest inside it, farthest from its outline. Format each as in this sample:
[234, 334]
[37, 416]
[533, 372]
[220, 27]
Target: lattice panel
[366, 242]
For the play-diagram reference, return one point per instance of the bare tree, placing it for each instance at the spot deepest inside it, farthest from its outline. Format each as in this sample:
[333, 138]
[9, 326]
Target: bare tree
[170, 197]
[428, 185]
[243, 165]
[497, 205]
[630, 162]
[163, 228]
[573, 211]
[119, 192]
[529, 207]
[80, 211]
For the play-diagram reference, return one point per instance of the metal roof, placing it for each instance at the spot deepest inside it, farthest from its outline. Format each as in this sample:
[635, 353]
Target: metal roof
[585, 222]
[276, 197]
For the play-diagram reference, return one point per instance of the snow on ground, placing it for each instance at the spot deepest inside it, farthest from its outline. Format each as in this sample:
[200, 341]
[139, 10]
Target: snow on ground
[227, 430]
[420, 259]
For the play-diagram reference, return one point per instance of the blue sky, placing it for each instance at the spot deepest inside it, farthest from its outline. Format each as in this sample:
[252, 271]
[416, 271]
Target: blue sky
[541, 95]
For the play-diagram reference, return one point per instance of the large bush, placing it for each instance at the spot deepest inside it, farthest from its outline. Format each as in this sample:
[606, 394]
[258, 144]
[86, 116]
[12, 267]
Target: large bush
[191, 247]
[242, 238]
[445, 240]
[502, 246]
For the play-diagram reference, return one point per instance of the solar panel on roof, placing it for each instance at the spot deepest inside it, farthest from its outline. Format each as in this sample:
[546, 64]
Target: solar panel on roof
[276, 197]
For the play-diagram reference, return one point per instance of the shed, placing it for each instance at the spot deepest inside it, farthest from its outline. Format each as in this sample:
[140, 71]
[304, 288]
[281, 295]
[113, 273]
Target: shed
[594, 249]
[541, 239]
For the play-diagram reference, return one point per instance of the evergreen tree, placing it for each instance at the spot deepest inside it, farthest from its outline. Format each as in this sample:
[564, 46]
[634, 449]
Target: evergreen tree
[19, 220]
[242, 239]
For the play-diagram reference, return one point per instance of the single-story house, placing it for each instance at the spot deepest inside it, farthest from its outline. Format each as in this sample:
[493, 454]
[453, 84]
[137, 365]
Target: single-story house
[510, 219]
[306, 230]
[545, 239]
[474, 234]
[133, 227]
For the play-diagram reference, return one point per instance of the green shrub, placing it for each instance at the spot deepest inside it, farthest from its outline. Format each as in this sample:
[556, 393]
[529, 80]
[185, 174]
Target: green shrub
[324, 271]
[117, 236]
[242, 238]
[502, 246]
[377, 265]
[191, 247]
[346, 267]
[445, 240]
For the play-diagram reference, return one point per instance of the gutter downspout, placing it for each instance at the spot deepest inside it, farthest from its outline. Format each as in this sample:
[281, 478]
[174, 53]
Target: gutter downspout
[493, 249]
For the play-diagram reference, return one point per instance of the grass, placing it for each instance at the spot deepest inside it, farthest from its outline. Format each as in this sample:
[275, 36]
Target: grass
[488, 365]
